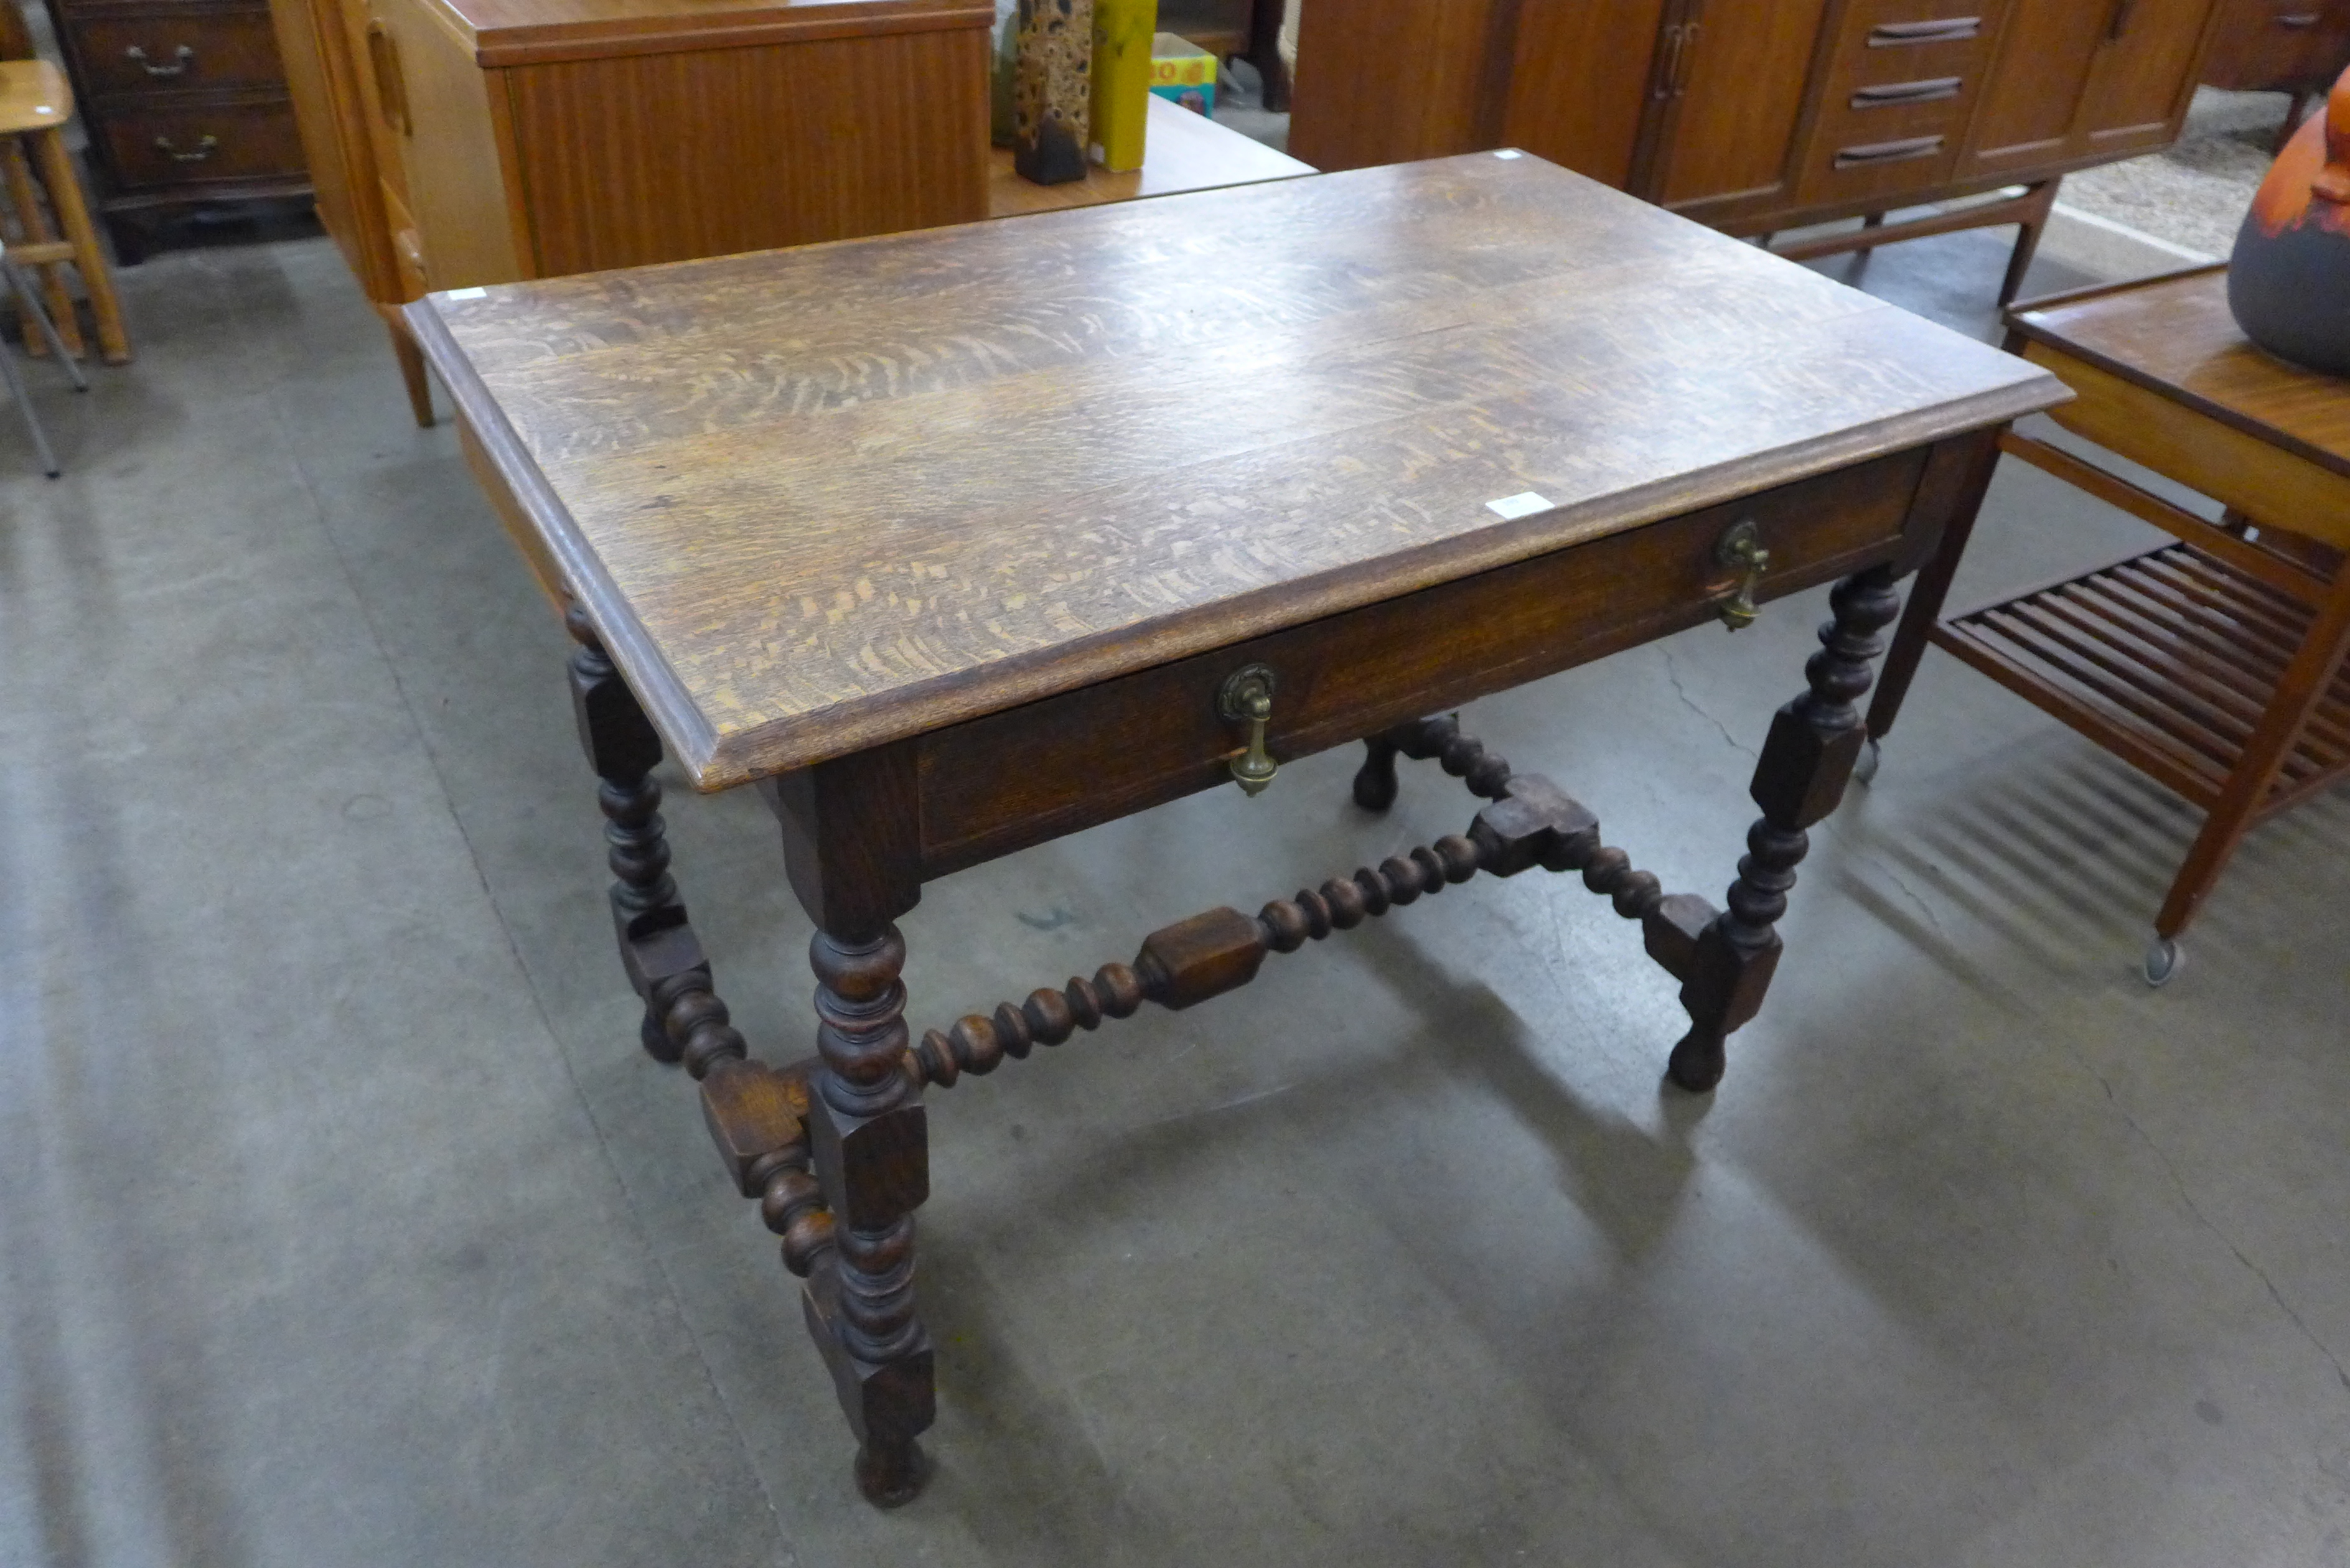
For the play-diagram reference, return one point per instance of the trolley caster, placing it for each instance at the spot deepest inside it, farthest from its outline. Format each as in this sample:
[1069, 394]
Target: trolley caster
[2163, 956]
[1864, 766]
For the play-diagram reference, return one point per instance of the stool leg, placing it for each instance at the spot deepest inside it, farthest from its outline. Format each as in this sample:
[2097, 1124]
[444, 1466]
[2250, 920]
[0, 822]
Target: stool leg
[26, 196]
[30, 307]
[24, 402]
[96, 278]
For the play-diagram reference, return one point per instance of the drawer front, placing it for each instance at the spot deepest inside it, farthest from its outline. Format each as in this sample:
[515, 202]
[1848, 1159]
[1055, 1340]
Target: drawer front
[193, 145]
[1905, 78]
[175, 50]
[998, 784]
[2308, 39]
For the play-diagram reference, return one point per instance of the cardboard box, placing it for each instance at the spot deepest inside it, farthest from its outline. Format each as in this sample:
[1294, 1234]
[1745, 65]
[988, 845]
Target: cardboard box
[1185, 72]
[1124, 34]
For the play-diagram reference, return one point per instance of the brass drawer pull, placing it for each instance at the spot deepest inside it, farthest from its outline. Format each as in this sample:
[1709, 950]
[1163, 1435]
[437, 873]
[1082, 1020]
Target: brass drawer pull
[1888, 151]
[1741, 550]
[1949, 30]
[1926, 91]
[1246, 698]
[205, 149]
[185, 55]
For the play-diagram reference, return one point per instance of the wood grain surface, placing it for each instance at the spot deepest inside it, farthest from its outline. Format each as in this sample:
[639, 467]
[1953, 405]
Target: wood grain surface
[531, 31]
[818, 499]
[2175, 336]
[1183, 152]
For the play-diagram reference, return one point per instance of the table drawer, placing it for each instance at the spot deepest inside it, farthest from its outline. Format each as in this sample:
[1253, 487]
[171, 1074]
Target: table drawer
[190, 144]
[995, 785]
[173, 50]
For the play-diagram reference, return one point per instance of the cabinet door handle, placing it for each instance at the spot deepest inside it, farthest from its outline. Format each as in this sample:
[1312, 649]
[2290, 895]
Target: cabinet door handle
[391, 82]
[2122, 11]
[1949, 29]
[1668, 62]
[1926, 91]
[1686, 62]
[1888, 151]
[204, 150]
[184, 55]
[2302, 20]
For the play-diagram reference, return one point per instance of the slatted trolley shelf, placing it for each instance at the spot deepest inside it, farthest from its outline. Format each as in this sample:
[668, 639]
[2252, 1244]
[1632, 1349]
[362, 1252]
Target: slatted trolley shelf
[2168, 659]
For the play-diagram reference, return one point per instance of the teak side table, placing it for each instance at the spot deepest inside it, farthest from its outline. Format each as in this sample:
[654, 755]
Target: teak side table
[933, 538]
[2215, 664]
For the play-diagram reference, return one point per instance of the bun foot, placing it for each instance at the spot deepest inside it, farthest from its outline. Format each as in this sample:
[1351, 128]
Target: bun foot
[1697, 1061]
[1375, 781]
[890, 1475]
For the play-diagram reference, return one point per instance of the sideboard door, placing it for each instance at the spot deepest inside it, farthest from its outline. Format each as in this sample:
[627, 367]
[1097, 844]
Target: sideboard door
[1578, 95]
[2144, 75]
[1738, 95]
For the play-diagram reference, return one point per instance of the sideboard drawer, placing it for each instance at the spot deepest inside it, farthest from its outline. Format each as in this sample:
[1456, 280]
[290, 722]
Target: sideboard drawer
[189, 145]
[174, 49]
[1041, 769]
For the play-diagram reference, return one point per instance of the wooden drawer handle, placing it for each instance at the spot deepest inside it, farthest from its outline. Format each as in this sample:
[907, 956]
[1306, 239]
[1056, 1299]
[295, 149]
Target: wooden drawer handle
[1888, 151]
[184, 55]
[1949, 29]
[205, 149]
[1926, 91]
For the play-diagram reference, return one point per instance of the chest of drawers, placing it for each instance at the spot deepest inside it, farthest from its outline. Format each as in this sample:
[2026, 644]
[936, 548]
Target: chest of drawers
[186, 107]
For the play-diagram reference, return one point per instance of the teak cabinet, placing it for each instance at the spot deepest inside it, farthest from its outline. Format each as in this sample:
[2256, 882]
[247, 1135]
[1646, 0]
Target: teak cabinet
[185, 105]
[2295, 46]
[482, 141]
[1758, 116]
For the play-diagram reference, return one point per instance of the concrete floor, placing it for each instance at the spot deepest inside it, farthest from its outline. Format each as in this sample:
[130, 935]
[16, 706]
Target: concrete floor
[342, 1221]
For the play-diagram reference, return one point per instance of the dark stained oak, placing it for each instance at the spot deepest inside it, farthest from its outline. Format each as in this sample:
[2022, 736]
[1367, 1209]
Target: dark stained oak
[822, 499]
[957, 542]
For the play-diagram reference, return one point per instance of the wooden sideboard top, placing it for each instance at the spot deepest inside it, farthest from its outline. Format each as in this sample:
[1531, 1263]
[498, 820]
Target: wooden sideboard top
[2176, 335]
[817, 500]
[536, 32]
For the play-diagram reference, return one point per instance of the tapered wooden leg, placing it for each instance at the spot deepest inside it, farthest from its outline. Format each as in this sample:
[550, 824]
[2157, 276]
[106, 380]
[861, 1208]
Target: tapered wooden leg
[96, 278]
[34, 219]
[412, 376]
[851, 844]
[1806, 761]
[2299, 691]
[1927, 595]
[2027, 240]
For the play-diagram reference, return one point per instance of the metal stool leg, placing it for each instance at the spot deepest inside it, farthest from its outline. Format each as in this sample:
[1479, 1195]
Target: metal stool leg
[32, 304]
[24, 402]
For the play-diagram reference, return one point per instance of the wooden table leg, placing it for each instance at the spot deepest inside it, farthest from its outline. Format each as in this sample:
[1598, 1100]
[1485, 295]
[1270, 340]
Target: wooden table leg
[2299, 691]
[850, 845]
[2027, 239]
[1801, 778]
[411, 374]
[1926, 596]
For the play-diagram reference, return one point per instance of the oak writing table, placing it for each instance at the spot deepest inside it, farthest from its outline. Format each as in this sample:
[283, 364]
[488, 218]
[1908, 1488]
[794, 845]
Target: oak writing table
[2217, 663]
[958, 541]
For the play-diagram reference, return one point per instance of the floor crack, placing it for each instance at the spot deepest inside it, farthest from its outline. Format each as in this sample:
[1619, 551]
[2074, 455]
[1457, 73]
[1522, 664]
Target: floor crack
[1673, 674]
[2179, 1185]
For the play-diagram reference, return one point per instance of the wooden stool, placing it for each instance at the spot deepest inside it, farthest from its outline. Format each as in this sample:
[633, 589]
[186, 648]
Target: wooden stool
[2215, 664]
[35, 104]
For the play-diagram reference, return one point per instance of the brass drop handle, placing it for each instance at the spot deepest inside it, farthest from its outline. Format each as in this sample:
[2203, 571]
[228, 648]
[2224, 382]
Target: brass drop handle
[1742, 550]
[1246, 698]
[185, 55]
[204, 150]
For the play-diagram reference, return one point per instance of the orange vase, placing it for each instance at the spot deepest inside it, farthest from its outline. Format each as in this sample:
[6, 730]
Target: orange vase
[2289, 283]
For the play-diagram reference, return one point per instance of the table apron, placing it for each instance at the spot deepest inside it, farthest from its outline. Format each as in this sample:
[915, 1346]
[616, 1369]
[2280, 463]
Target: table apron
[993, 785]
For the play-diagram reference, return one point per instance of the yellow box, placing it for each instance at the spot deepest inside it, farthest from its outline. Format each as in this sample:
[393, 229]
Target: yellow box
[1185, 72]
[1123, 36]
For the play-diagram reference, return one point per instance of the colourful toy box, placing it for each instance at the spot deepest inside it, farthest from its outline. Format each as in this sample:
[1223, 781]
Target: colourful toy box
[1185, 72]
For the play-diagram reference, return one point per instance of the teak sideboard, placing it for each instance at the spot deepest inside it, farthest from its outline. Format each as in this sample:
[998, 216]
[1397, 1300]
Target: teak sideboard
[457, 144]
[1759, 116]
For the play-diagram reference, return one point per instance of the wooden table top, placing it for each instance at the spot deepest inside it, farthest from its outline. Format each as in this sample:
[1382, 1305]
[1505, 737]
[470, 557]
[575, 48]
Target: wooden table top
[2175, 336]
[1182, 152]
[821, 499]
